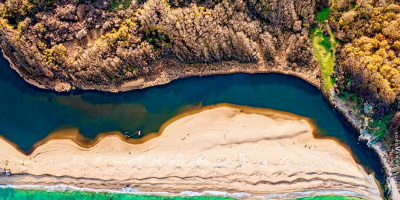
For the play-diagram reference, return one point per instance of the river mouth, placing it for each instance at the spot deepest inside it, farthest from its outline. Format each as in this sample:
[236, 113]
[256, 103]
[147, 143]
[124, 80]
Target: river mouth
[30, 114]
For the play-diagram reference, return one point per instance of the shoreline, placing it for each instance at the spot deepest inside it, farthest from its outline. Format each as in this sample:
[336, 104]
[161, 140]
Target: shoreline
[262, 68]
[74, 135]
[166, 70]
[366, 136]
[352, 178]
[295, 194]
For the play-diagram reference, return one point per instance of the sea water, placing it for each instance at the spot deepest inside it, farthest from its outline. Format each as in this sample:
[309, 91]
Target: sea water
[17, 194]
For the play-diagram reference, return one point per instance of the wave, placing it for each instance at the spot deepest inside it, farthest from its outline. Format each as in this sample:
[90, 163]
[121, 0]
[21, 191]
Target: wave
[133, 191]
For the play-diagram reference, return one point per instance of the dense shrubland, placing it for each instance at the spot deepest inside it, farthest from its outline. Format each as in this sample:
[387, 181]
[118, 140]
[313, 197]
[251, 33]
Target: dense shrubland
[108, 42]
[371, 53]
[368, 62]
[105, 42]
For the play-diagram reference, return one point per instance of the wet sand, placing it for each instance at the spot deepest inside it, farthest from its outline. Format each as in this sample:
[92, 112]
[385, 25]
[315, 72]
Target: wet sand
[222, 148]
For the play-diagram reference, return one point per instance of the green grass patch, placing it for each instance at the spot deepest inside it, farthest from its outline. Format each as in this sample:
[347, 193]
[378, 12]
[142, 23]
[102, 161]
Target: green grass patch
[115, 5]
[380, 127]
[351, 97]
[322, 50]
[358, 101]
[323, 15]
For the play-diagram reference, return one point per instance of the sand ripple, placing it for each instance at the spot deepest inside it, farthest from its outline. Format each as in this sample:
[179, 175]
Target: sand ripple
[222, 148]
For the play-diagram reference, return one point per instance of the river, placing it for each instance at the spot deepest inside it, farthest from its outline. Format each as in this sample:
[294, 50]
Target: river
[29, 114]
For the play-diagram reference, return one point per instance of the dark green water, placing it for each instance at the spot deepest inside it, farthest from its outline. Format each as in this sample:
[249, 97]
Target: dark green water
[29, 114]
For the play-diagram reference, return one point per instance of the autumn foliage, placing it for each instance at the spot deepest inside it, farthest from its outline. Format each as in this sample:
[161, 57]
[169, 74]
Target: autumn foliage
[371, 53]
[105, 42]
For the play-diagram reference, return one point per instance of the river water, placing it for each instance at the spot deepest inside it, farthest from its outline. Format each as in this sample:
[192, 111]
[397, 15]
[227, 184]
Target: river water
[29, 114]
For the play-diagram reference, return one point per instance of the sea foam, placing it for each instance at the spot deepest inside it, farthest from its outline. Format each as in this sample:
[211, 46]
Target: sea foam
[128, 190]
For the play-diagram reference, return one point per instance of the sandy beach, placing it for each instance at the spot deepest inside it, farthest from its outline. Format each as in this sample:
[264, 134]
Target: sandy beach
[222, 148]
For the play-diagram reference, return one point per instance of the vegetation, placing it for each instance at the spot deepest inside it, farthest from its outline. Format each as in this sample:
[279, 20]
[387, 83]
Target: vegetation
[112, 41]
[116, 4]
[369, 64]
[322, 51]
[57, 55]
[323, 14]
[17, 10]
[380, 127]
[371, 57]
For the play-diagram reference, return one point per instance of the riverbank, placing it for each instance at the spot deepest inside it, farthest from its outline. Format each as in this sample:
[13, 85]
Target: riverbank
[365, 135]
[224, 148]
[262, 106]
[167, 70]
[324, 51]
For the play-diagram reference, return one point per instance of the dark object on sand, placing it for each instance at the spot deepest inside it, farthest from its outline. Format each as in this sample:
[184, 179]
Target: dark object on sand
[130, 135]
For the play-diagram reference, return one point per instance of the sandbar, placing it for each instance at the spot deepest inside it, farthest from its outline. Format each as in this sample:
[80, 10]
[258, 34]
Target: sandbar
[219, 148]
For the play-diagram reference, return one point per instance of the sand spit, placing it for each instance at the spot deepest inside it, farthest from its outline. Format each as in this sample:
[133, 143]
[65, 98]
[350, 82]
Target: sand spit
[221, 148]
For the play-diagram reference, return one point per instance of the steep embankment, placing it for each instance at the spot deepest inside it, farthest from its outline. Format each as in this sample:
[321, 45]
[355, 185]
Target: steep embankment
[367, 74]
[95, 45]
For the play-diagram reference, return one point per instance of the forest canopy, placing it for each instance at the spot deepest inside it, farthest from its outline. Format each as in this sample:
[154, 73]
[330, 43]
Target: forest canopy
[371, 52]
[109, 41]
